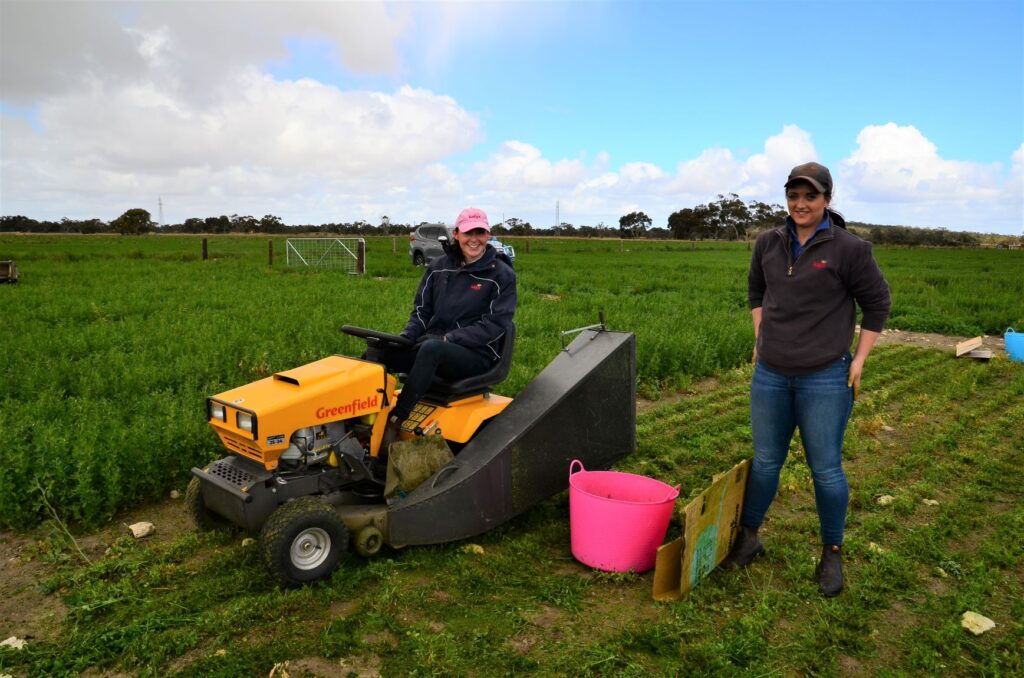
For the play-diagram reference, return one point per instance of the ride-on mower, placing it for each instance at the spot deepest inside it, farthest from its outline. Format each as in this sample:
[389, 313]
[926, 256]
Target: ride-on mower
[302, 443]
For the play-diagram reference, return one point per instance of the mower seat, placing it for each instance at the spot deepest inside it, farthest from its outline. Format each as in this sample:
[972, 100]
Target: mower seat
[444, 391]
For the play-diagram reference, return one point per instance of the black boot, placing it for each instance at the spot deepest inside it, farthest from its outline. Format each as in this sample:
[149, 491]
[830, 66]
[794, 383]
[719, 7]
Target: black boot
[830, 570]
[391, 432]
[747, 547]
[379, 464]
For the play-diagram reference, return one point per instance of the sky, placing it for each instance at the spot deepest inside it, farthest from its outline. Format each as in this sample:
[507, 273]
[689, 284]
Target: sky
[321, 112]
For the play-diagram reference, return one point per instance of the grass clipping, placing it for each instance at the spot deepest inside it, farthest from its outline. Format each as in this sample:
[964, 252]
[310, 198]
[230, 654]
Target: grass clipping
[410, 462]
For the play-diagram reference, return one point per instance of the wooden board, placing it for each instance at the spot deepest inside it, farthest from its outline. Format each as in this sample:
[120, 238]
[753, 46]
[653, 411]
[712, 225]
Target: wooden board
[967, 346]
[979, 354]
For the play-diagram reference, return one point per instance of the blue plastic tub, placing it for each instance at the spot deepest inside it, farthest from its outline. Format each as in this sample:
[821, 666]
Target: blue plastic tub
[1014, 342]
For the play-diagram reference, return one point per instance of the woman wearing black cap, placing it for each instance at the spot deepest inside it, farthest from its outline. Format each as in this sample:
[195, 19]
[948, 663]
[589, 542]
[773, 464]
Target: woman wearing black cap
[806, 280]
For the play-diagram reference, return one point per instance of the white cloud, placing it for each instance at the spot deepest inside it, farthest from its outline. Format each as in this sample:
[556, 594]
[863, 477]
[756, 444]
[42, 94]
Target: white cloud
[897, 175]
[196, 48]
[892, 163]
[517, 165]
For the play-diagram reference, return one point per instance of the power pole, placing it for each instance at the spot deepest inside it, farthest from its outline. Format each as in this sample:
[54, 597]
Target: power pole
[160, 202]
[557, 222]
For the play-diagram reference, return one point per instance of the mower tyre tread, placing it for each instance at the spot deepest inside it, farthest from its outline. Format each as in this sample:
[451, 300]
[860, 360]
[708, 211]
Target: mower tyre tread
[203, 518]
[288, 522]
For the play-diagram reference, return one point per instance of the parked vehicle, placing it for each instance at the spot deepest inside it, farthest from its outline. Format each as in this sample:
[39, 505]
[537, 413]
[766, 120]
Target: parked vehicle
[427, 241]
[8, 272]
[508, 250]
[426, 244]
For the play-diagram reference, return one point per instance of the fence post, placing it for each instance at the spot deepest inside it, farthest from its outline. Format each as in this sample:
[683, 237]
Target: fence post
[361, 257]
[204, 249]
[394, 244]
[270, 252]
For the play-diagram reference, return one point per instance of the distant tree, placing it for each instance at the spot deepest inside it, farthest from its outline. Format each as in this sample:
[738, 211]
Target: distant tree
[18, 223]
[689, 223]
[764, 216]
[730, 216]
[518, 227]
[219, 224]
[92, 226]
[135, 221]
[271, 224]
[634, 224]
[246, 224]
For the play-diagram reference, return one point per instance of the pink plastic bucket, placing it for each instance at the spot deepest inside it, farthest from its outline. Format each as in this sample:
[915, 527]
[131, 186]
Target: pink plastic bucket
[617, 521]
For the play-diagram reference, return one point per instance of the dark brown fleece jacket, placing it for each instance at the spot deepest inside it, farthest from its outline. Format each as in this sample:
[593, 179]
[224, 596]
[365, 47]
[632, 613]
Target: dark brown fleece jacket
[808, 306]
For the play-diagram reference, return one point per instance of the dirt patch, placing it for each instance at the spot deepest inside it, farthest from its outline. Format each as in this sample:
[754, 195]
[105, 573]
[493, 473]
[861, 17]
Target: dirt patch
[355, 667]
[341, 609]
[27, 612]
[937, 341]
[700, 388]
[546, 617]
[382, 638]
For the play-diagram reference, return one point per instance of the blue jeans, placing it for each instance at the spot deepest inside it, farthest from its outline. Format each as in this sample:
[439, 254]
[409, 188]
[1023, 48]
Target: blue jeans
[819, 404]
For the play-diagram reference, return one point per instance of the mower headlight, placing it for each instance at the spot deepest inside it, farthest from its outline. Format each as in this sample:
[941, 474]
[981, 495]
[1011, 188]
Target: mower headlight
[217, 411]
[244, 421]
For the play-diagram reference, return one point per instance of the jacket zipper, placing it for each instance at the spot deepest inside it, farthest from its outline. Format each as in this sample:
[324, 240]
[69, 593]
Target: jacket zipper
[789, 251]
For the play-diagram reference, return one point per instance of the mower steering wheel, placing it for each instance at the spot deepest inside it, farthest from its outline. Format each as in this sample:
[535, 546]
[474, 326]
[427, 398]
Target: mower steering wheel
[375, 338]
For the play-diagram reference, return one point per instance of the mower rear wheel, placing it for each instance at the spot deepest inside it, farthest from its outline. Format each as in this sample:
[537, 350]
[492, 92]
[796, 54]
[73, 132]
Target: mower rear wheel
[303, 541]
[203, 518]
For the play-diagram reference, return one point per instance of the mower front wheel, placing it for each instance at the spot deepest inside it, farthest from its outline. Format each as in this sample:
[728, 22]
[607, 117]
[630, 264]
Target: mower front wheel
[203, 518]
[369, 541]
[303, 541]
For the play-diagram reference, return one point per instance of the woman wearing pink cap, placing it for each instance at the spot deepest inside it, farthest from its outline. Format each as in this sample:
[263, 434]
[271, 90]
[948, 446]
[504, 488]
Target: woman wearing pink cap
[462, 309]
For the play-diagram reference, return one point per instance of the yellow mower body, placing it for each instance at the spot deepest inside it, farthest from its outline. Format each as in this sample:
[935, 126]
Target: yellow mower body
[257, 420]
[305, 467]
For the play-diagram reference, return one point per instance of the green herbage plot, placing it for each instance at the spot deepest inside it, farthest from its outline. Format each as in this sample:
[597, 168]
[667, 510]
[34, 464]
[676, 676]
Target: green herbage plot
[126, 337]
[202, 604]
[113, 344]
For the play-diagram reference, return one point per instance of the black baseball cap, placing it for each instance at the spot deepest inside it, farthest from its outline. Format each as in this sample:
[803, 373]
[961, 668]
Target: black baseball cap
[813, 173]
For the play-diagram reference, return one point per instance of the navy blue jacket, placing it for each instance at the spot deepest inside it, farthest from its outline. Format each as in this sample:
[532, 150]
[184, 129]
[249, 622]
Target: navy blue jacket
[808, 305]
[471, 305]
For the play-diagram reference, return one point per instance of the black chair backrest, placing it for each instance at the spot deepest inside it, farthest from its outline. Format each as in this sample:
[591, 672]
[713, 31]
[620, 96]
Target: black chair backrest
[447, 391]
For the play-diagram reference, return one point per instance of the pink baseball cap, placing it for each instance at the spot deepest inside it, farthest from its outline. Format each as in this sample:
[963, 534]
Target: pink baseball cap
[471, 218]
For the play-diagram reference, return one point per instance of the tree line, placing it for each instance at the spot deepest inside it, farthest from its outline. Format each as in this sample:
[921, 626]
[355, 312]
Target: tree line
[727, 218]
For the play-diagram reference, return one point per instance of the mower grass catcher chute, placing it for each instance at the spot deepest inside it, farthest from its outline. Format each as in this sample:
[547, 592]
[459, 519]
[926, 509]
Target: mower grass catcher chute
[301, 473]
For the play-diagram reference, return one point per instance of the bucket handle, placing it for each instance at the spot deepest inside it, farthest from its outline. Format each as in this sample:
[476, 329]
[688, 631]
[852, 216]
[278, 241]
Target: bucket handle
[675, 490]
[1009, 330]
[573, 463]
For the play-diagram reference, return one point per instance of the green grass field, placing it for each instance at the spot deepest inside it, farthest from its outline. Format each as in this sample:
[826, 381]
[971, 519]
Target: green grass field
[115, 342]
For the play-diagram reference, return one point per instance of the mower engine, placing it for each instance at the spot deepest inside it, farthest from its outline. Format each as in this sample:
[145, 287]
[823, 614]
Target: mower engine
[328, 443]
